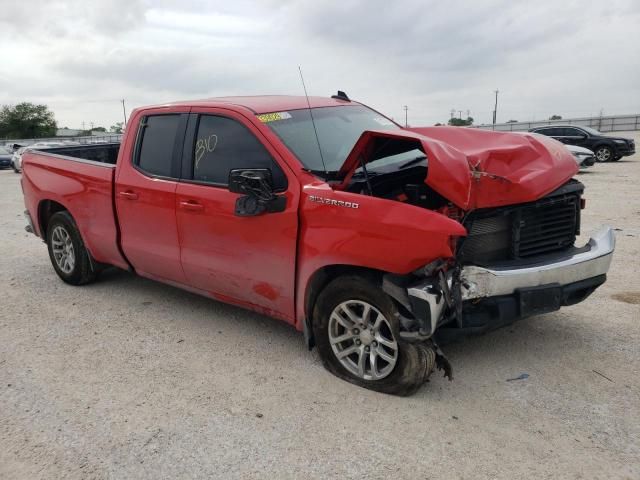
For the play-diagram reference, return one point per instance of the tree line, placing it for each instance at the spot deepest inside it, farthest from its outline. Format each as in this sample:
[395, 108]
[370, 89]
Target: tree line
[29, 120]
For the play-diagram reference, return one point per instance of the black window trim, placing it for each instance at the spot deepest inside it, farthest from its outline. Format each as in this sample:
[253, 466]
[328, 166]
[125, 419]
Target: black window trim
[176, 155]
[191, 131]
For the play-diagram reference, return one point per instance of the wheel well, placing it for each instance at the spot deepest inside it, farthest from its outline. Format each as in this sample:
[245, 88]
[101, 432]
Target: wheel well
[604, 144]
[46, 209]
[321, 278]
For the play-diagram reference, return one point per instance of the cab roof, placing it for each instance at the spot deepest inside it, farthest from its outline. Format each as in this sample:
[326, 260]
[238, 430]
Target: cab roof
[266, 103]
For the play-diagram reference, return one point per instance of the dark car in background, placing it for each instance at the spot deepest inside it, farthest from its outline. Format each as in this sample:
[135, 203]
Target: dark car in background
[5, 157]
[605, 148]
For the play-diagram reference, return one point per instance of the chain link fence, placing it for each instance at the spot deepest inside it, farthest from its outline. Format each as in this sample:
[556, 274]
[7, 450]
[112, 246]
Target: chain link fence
[609, 123]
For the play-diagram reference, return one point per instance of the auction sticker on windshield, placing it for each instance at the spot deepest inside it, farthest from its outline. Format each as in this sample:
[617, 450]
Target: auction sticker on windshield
[272, 117]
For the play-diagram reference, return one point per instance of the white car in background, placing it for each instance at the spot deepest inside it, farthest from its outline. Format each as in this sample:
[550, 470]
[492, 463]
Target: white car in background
[16, 159]
[585, 158]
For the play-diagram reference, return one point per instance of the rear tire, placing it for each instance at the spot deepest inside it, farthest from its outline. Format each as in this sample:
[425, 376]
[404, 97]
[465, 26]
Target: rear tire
[69, 256]
[407, 366]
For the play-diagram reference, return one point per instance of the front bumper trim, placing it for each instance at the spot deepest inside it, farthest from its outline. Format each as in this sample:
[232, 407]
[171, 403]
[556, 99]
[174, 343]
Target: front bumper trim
[479, 282]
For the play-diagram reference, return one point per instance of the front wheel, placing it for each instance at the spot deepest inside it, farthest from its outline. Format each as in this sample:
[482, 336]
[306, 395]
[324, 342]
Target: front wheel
[69, 256]
[356, 329]
[604, 154]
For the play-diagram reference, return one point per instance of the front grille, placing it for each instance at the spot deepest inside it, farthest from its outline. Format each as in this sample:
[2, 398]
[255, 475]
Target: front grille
[523, 231]
[545, 227]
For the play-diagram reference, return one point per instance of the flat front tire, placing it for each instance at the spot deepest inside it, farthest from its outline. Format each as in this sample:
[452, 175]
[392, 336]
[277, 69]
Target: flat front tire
[69, 256]
[356, 328]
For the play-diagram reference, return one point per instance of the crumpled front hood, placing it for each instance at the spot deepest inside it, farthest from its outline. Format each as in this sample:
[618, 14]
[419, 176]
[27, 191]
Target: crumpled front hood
[478, 168]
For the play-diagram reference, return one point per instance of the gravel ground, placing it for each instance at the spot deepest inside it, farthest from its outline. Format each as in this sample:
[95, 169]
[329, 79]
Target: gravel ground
[127, 378]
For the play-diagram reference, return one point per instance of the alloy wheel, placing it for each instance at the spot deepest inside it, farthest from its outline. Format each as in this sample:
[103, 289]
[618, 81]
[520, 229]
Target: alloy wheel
[62, 248]
[603, 155]
[362, 340]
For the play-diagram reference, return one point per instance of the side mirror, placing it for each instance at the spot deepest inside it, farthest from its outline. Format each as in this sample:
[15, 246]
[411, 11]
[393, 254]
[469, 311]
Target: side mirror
[256, 185]
[251, 180]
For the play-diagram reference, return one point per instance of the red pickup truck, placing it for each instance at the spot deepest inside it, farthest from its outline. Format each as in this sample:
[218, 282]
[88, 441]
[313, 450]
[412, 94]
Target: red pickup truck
[379, 242]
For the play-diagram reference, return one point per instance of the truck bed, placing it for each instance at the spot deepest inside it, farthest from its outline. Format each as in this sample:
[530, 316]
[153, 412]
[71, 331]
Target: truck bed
[80, 179]
[101, 152]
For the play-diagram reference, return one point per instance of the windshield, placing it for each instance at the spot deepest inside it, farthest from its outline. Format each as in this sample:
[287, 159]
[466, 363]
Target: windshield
[4, 151]
[338, 130]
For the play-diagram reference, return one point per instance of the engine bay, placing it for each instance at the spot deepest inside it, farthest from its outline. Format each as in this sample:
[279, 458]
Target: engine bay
[406, 185]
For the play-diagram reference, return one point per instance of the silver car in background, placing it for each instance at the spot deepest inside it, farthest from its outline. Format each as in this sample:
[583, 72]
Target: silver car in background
[584, 157]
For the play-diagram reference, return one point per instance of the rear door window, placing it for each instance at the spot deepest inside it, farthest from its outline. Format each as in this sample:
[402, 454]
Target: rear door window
[572, 132]
[222, 144]
[156, 144]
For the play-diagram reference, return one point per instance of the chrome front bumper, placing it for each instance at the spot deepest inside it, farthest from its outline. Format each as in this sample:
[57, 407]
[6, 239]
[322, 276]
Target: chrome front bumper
[479, 282]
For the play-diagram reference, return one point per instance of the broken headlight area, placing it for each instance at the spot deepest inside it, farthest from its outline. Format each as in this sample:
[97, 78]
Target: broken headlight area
[427, 298]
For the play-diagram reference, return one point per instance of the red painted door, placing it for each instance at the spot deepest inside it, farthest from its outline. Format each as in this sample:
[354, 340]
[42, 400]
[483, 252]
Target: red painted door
[245, 260]
[145, 194]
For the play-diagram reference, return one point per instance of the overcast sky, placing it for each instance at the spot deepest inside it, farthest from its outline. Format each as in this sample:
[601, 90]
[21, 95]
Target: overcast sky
[545, 57]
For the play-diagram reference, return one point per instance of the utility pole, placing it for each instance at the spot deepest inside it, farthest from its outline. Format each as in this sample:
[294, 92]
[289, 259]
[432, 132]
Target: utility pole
[83, 125]
[406, 109]
[495, 110]
[124, 113]
[91, 125]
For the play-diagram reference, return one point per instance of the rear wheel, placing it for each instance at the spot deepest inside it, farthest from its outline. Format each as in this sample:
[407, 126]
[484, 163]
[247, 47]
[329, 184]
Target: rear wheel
[69, 257]
[604, 154]
[356, 329]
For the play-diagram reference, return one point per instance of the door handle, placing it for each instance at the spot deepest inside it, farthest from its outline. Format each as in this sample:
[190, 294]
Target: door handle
[191, 205]
[129, 195]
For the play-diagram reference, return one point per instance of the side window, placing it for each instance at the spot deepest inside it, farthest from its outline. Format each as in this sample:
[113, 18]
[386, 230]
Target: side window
[544, 131]
[572, 132]
[222, 144]
[156, 144]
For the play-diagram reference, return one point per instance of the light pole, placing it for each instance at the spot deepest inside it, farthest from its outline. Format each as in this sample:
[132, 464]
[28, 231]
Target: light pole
[495, 110]
[406, 109]
[124, 113]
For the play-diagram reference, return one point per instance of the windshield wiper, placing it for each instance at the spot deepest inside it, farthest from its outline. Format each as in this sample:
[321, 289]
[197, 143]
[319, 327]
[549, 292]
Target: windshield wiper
[412, 162]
